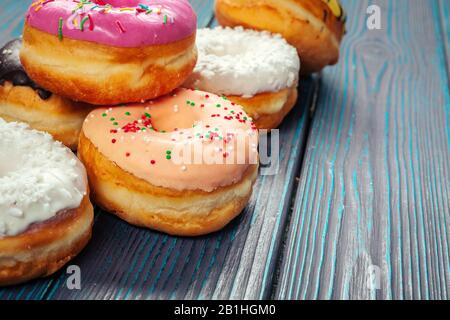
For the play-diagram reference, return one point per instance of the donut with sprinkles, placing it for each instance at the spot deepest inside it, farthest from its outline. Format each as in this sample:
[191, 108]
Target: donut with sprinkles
[109, 51]
[183, 164]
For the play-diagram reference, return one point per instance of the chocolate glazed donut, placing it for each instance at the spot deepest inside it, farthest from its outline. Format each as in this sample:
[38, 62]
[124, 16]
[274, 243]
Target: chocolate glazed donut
[23, 100]
[11, 69]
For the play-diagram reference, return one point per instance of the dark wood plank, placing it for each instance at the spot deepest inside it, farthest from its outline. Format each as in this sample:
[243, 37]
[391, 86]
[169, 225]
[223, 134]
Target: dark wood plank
[374, 187]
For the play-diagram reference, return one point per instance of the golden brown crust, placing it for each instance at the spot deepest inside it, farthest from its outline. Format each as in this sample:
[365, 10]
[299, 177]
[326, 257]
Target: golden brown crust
[102, 75]
[259, 106]
[60, 117]
[46, 246]
[184, 213]
[310, 26]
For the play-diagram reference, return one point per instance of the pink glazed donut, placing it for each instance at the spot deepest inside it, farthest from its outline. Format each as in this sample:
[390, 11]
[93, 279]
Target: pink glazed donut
[109, 51]
[183, 164]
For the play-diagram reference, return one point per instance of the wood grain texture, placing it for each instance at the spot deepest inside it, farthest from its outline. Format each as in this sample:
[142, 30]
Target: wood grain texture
[124, 262]
[374, 187]
[444, 8]
[11, 15]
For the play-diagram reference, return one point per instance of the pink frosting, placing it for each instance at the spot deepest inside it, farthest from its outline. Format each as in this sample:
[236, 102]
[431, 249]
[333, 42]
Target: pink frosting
[146, 139]
[118, 23]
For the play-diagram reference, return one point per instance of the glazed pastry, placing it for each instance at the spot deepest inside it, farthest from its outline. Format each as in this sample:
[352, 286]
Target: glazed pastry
[45, 213]
[314, 27]
[109, 51]
[23, 100]
[184, 164]
[256, 70]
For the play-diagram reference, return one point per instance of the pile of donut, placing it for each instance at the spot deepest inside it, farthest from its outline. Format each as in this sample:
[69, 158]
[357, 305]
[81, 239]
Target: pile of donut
[128, 83]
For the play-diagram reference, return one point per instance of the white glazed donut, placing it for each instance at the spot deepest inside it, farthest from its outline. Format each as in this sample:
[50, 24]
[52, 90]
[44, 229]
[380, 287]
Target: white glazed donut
[45, 213]
[257, 70]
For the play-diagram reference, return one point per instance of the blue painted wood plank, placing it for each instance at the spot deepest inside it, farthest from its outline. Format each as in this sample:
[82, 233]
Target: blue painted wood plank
[444, 8]
[374, 192]
[11, 17]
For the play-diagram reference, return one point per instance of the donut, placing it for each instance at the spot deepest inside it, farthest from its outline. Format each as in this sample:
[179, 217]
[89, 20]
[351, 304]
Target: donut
[184, 164]
[108, 52]
[23, 100]
[314, 27]
[45, 213]
[256, 70]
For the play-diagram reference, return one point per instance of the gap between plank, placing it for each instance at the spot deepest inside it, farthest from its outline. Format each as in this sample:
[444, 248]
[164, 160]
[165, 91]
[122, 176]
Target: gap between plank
[311, 110]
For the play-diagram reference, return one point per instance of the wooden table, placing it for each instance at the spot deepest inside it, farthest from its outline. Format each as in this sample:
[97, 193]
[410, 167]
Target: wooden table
[360, 208]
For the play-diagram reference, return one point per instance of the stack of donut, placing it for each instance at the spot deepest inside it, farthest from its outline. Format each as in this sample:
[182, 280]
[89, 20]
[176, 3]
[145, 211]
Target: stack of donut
[104, 77]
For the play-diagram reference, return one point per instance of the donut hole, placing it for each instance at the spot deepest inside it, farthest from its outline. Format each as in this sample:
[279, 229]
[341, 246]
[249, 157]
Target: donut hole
[175, 118]
[119, 3]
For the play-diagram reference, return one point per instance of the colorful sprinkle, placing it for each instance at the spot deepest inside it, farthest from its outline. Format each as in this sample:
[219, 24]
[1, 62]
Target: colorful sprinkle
[120, 26]
[60, 27]
[83, 21]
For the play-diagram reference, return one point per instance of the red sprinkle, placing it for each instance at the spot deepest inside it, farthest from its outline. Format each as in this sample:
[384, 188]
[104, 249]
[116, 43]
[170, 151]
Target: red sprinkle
[120, 26]
[127, 154]
[91, 23]
[113, 140]
[152, 161]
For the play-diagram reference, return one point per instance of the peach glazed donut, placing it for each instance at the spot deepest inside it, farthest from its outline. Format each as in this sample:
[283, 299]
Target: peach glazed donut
[45, 213]
[108, 52]
[314, 27]
[257, 70]
[23, 100]
[184, 164]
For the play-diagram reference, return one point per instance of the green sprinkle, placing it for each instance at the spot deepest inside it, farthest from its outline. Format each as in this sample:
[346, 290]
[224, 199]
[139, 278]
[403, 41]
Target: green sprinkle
[60, 27]
[104, 115]
[168, 157]
[127, 113]
[192, 104]
[83, 21]
[188, 102]
[165, 19]
[216, 129]
[147, 115]
[115, 123]
[218, 105]
[168, 152]
[143, 129]
[112, 119]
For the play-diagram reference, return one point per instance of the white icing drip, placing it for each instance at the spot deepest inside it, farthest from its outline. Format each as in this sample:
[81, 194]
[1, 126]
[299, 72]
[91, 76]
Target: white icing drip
[38, 178]
[243, 62]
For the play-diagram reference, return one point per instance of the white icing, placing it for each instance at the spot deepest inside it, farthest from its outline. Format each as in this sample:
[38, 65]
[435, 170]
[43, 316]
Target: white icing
[243, 62]
[38, 178]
